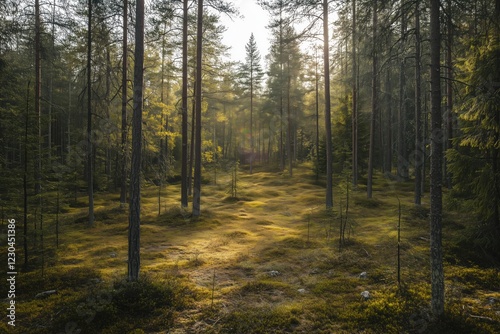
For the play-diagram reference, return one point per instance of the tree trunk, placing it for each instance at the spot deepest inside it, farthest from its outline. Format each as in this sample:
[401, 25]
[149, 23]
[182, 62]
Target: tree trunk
[124, 147]
[437, 275]
[25, 179]
[184, 170]
[107, 101]
[419, 155]
[354, 101]
[135, 172]
[402, 157]
[251, 114]
[90, 174]
[68, 150]
[191, 148]
[371, 153]
[449, 90]
[328, 120]
[51, 87]
[389, 121]
[197, 160]
[317, 115]
[38, 93]
[289, 122]
[281, 150]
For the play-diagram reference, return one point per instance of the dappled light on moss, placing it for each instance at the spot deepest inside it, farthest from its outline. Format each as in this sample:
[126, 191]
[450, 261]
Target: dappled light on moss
[265, 262]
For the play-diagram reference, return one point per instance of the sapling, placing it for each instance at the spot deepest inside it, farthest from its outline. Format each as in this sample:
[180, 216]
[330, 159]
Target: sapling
[399, 243]
[213, 289]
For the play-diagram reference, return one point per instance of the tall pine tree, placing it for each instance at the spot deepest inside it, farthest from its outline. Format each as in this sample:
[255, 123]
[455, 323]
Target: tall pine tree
[251, 77]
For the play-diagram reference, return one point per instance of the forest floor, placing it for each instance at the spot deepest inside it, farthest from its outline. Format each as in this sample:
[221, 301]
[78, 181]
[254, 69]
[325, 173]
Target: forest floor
[264, 261]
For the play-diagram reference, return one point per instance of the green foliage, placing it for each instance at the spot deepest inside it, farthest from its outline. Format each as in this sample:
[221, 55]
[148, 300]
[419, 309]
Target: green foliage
[476, 278]
[475, 165]
[481, 68]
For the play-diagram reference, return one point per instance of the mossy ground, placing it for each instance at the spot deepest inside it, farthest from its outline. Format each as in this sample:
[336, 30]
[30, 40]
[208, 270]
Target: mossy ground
[267, 261]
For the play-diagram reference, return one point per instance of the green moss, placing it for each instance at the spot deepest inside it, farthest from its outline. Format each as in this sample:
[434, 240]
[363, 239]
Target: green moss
[476, 278]
[61, 278]
[251, 320]
[244, 251]
[147, 303]
[262, 286]
[297, 243]
[264, 223]
[369, 203]
[230, 199]
[386, 312]
[335, 286]
[418, 212]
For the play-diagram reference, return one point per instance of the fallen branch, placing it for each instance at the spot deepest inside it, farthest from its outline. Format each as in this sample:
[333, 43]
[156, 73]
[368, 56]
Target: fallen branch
[481, 317]
[45, 293]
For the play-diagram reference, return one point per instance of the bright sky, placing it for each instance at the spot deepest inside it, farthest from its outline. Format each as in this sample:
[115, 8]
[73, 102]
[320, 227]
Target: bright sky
[254, 20]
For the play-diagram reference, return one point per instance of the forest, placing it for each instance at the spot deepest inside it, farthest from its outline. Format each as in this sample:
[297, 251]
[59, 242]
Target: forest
[345, 180]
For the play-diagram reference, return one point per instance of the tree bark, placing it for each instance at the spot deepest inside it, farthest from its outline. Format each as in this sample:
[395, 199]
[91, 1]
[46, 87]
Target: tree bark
[419, 154]
[90, 173]
[289, 121]
[389, 122]
[354, 101]
[184, 165]
[437, 275]
[251, 114]
[281, 150]
[369, 184]
[402, 156]
[449, 90]
[38, 93]
[124, 147]
[197, 160]
[51, 87]
[135, 172]
[191, 148]
[328, 120]
[317, 114]
[25, 179]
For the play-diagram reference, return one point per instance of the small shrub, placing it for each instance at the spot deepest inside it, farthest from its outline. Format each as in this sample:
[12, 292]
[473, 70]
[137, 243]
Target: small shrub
[142, 297]
[476, 278]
